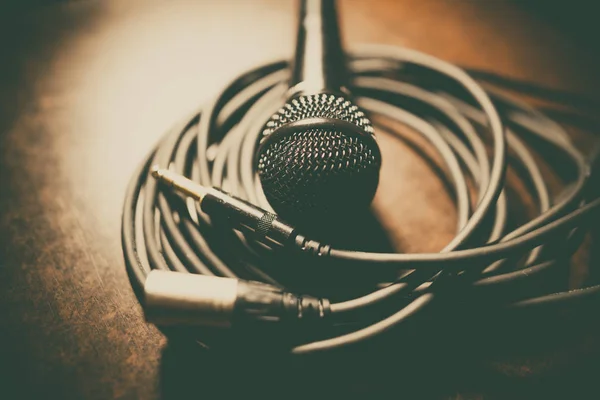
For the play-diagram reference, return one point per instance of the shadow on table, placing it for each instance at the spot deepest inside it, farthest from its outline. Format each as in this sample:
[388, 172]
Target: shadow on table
[436, 364]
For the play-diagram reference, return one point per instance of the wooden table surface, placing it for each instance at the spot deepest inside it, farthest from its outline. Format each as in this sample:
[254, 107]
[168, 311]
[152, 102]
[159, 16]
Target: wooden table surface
[89, 86]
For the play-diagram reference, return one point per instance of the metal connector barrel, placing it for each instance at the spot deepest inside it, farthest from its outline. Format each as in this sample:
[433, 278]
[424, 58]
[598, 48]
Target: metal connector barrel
[175, 298]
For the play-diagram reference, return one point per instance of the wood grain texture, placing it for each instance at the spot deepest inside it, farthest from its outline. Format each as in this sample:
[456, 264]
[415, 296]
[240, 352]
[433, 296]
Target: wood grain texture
[89, 86]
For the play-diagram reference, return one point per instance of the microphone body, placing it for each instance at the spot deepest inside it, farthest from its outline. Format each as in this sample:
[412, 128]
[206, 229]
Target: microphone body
[319, 62]
[317, 157]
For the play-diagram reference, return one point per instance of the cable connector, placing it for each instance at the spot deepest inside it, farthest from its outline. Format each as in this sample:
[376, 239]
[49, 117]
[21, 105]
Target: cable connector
[238, 213]
[175, 298]
[311, 247]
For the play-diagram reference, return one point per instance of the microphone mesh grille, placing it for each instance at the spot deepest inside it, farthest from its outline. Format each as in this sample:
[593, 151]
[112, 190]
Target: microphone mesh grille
[318, 105]
[318, 172]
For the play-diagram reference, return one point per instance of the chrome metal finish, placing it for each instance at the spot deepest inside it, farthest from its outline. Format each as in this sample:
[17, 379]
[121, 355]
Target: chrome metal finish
[192, 299]
[319, 64]
[179, 182]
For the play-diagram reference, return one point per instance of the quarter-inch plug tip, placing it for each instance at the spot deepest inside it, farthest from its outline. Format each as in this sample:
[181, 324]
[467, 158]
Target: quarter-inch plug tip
[155, 171]
[178, 182]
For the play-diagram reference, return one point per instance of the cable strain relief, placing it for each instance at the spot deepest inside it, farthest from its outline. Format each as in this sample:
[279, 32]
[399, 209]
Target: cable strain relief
[312, 247]
[305, 308]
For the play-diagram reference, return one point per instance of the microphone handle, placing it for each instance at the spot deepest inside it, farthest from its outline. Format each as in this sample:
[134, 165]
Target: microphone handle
[320, 62]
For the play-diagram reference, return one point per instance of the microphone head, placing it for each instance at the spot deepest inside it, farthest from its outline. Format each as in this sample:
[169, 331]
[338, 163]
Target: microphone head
[318, 159]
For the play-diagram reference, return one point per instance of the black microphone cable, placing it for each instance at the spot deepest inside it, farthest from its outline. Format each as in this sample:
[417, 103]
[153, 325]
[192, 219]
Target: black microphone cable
[267, 267]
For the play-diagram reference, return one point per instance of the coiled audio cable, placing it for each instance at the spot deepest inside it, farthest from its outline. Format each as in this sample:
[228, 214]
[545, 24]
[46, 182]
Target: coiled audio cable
[225, 259]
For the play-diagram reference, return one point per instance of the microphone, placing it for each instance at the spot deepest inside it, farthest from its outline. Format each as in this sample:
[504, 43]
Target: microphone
[317, 157]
